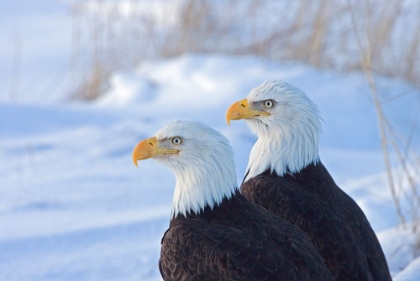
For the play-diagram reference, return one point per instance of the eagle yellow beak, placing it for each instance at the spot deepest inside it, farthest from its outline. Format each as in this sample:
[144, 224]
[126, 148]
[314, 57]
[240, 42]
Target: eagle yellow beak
[148, 148]
[242, 110]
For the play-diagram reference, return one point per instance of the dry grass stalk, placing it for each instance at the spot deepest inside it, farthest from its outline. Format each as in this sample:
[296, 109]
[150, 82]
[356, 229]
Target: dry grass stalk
[315, 32]
[388, 136]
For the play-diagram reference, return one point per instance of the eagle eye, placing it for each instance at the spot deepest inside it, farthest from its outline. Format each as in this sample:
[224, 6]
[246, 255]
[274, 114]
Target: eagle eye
[176, 140]
[268, 103]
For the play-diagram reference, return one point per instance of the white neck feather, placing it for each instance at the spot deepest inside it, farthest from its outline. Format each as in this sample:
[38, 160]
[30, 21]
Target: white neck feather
[198, 187]
[284, 146]
[282, 152]
[202, 185]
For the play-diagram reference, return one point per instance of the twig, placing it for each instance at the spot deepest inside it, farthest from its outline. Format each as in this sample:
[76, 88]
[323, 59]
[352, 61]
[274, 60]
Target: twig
[366, 60]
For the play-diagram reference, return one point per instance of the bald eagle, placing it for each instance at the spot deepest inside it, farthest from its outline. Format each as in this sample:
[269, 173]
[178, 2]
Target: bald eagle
[285, 176]
[215, 233]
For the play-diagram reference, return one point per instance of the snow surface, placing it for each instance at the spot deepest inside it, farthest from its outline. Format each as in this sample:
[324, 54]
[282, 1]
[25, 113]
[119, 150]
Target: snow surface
[35, 50]
[74, 207]
[411, 273]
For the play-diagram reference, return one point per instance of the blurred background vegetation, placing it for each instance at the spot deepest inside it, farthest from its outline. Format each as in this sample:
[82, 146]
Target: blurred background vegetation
[114, 35]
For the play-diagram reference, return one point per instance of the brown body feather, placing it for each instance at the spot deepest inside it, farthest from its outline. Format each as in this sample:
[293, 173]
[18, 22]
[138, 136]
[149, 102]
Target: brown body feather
[238, 240]
[338, 228]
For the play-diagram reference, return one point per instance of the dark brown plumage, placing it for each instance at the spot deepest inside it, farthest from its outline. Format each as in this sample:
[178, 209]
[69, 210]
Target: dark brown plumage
[338, 228]
[238, 240]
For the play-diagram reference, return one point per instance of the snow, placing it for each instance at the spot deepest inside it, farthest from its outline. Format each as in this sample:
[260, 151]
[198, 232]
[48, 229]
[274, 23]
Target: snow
[74, 207]
[411, 273]
[35, 50]
[399, 246]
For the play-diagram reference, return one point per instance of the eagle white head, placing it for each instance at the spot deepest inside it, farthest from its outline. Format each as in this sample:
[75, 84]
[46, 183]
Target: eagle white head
[201, 159]
[288, 126]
